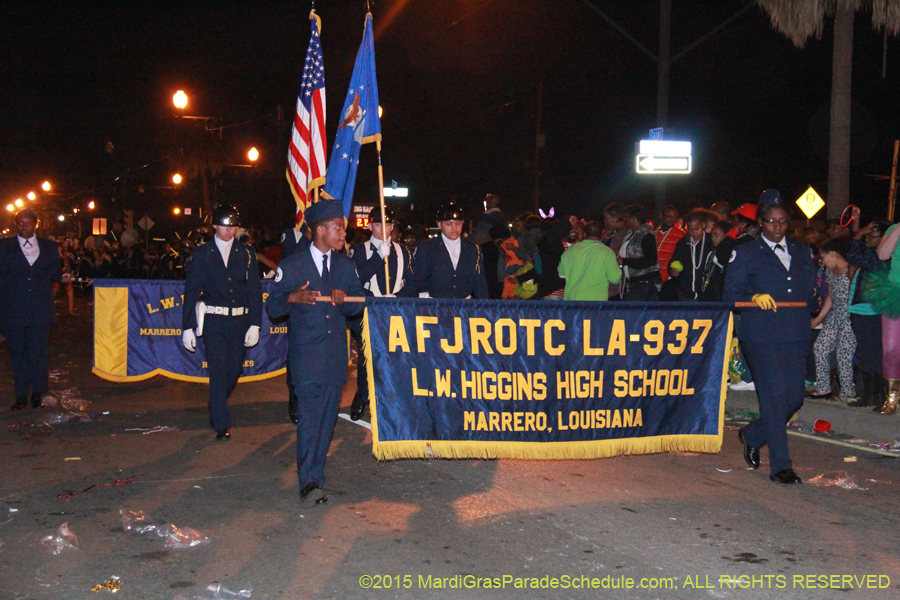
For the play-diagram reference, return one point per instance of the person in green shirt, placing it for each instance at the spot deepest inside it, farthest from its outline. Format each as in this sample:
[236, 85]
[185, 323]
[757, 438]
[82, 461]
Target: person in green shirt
[589, 267]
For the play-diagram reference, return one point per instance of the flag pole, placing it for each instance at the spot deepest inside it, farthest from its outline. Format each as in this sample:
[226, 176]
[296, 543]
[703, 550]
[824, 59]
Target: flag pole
[384, 236]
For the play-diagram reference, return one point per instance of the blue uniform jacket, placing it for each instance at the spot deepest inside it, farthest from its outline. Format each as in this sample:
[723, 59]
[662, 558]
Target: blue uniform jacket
[26, 291]
[435, 273]
[755, 269]
[318, 332]
[374, 266]
[289, 244]
[209, 280]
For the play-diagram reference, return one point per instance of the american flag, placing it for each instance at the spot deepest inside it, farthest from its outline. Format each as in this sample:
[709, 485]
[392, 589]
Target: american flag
[306, 155]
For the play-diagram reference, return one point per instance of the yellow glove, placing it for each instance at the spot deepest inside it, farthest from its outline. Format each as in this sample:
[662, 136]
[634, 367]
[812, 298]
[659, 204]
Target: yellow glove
[676, 265]
[765, 302]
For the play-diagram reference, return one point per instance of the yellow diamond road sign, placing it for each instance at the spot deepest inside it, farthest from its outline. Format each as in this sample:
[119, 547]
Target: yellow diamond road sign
[810, 203]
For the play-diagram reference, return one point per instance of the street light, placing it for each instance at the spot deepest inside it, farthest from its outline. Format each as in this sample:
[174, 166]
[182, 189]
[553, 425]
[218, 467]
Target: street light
[61, 218]
[176, 178]
[19, 202]
[253, 154]
[91, 205]
[10, 207]
[177, 211]
[45, 186]
[31, 196]
[180, 99]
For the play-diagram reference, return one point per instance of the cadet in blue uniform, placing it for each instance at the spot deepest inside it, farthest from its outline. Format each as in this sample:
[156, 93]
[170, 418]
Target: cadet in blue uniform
[448, 266]
[370, 258]
[223, 276]
[28, 267]
[318, 339]
[773, 269]
[292, 242]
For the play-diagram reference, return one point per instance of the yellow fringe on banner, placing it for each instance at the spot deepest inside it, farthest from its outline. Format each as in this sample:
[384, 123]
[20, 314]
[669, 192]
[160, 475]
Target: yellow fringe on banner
[545, 450]
[370, 374]
[180, 377]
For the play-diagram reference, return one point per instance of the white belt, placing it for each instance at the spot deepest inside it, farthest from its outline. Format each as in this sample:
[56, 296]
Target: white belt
[224, 310]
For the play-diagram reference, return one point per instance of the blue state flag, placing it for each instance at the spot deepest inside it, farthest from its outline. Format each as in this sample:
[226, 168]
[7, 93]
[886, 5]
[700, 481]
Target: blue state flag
[359, 124]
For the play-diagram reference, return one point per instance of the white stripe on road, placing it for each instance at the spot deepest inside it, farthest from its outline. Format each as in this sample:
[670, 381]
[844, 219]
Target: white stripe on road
[346, 417]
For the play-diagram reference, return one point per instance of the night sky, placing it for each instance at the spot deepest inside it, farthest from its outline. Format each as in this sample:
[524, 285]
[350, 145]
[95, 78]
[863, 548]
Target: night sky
[458, 80]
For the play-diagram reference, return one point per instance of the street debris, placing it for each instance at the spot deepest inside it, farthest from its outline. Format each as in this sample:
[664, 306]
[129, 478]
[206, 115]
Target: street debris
[64, 539]
[112, 584]
[117, 482]
[836, 479]
[157, 429]
[176, 537]
[214, 591]
[849, 459]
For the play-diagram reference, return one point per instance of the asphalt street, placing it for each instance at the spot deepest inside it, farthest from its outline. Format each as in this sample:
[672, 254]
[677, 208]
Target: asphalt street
[676, 525]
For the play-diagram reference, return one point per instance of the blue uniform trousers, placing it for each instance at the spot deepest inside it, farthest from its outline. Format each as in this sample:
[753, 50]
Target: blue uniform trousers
[354, 324]
[317, 408]
[30, 350]
[778, 371]
[224, 337]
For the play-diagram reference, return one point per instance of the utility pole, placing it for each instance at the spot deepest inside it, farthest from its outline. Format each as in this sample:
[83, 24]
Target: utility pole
[662, 86]
[539, 143]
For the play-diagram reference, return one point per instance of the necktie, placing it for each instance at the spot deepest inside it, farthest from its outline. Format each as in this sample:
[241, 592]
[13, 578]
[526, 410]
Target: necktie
[28, 243]
[779, 247]
[325, 269]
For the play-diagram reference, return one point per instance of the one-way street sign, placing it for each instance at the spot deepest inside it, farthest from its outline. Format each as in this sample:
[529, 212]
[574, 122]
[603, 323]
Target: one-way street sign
[649, 163]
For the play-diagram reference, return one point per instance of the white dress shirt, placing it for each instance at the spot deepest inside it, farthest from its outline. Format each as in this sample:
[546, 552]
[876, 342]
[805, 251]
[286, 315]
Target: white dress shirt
[317, 258]
[224, 248]
[453, 247]
[30, 248]
[781, 252]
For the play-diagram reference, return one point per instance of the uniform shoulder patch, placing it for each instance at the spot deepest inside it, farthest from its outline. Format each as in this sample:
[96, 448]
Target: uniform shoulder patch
[278, 275]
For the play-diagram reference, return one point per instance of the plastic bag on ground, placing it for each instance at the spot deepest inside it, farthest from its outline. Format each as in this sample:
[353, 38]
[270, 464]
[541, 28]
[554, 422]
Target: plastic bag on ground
[62, 540]
[135, 521]
[836, 479]
[57, 418]
[214, 591]
[74, 403]
[181, 537]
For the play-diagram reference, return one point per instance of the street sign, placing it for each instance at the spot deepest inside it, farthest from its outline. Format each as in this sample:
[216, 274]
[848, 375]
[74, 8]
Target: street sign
[399, 192]
[810, 202]
[99, 227]
[651, 164]
[658, 157]
[656, 134]
[146, 223]
[187, 211]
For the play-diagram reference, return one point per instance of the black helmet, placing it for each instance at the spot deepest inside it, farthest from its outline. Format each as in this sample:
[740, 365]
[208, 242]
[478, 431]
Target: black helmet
[226, 216]
[450, 212]
[375, 215]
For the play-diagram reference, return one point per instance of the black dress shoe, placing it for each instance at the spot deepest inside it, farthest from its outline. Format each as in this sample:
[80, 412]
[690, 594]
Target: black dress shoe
[36, 400]
[223, 434]
[20, 403]
[312, 495]
[751, 453]
[357, 409]
[786, 476]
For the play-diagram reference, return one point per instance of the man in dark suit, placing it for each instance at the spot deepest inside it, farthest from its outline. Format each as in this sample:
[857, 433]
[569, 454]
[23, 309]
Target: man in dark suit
[293, 241]
[224, 277]
[370, 259]
[318, 339]
[767, 270]
[28, 268]
[448, 266]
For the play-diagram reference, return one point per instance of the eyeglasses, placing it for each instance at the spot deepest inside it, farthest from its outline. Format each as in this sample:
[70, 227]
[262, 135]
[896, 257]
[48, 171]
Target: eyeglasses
[776, 221]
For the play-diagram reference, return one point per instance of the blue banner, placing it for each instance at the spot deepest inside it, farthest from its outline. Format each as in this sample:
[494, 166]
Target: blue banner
[137, 334]
[519, 379]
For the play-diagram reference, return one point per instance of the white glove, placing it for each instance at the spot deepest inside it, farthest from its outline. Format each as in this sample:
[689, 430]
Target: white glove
[189, 340]
[252, 336]
[389, 296]
[384, 248]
